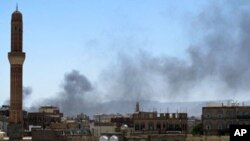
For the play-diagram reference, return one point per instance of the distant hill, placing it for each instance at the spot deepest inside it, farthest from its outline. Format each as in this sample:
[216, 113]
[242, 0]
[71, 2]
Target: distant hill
[126, 107]
[192, 108]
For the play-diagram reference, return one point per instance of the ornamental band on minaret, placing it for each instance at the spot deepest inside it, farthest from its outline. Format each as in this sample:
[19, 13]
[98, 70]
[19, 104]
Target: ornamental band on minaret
[16, 58]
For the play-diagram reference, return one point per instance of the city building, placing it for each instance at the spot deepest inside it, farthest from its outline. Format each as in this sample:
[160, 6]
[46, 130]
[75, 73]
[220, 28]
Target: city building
[45, 116]
[97, 129]
[59, 135]
[5, 110]
[3, 123]
[120, 121]
[162, 123]
[216, 120]
[4, 114]
[4, 118]
[49, 109]
[105, 118]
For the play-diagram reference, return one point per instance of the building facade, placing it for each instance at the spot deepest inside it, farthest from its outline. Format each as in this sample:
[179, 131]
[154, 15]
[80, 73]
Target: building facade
[105, 118]
[217, 120]
[45, 116]
[160, 122]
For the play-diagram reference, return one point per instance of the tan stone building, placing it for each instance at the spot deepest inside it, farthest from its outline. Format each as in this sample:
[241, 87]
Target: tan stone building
[97, 129]
[45, 116]
[217, 119]
[153, 122]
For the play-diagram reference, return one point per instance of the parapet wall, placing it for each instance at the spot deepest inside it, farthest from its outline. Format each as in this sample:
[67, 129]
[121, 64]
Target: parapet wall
[208, 138]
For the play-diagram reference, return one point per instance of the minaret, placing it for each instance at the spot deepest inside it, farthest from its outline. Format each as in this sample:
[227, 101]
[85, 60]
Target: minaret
[16, 59]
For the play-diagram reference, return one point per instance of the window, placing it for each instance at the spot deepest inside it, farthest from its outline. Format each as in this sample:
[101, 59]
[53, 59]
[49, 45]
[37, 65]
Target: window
[170, 127]
[151, 126]
[220, 126]
[229, 114]
[142, 126]
[219, 114]
[136, 127]
[208, 126]
[177, 127]
[158, 126]
[207, 115]
[164, 126]
[228, 124]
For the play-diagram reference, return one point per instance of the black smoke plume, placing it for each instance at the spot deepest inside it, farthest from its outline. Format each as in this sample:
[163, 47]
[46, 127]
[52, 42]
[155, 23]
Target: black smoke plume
[217, 67]
[27, 91]
[73, 96]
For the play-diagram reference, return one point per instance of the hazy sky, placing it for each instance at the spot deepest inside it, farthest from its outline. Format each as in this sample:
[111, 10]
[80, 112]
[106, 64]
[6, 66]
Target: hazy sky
[95, 36]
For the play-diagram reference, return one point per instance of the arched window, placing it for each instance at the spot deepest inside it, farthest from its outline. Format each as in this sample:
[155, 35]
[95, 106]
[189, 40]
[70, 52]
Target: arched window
[219, 114]
[228, 124]
[220, 126]
[208, 126]
[208, 115]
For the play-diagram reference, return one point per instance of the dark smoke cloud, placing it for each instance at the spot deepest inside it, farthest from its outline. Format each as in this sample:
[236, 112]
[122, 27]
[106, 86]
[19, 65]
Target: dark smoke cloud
[217, 68]
[27, 91]
[73, 97]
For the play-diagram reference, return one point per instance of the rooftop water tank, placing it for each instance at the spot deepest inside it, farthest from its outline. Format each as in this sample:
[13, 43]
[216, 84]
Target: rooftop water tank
[103, 138]
[113, 138]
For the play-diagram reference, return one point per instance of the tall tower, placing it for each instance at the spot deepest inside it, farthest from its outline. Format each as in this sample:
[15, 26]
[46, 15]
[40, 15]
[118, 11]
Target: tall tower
[16, 58]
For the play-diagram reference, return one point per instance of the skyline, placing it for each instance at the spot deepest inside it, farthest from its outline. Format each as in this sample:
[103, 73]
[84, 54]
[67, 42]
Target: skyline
[106, 47]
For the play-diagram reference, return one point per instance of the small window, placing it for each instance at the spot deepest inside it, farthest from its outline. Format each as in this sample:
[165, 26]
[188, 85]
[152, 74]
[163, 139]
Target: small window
[219, 126]
[137, 127]
[208, 115]
[220, 115]
[228, 124]
[142, 126]
[151, 126]
[158, 126]
[164, 126]
[208, 126]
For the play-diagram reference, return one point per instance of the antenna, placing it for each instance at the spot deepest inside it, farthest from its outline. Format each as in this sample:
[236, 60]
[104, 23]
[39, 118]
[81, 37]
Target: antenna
[17, 7]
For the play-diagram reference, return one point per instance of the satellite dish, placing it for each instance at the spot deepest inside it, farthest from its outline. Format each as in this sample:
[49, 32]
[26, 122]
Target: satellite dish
[103, 138]
[124, 127]
[113, 138]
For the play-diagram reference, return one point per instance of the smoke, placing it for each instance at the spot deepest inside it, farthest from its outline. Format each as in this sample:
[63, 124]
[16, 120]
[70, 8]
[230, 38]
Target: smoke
[217, 68]
[27, 91]
[74, 95]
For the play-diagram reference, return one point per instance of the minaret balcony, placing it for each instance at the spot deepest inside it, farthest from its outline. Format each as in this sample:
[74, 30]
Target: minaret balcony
[16, 58]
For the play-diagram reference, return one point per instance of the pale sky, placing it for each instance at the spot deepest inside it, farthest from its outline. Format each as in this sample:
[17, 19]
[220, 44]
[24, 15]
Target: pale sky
[88, 36]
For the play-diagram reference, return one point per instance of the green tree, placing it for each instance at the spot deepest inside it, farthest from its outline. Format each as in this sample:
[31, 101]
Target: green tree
[197, 129]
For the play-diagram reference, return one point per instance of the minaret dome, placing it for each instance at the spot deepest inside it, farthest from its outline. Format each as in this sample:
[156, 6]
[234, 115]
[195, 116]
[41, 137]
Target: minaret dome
[16, 16]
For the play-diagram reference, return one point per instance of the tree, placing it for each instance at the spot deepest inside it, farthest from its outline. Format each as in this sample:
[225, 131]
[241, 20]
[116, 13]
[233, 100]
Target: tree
[197, 129]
